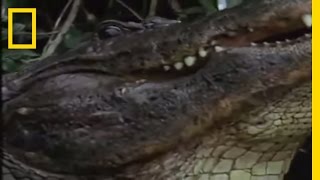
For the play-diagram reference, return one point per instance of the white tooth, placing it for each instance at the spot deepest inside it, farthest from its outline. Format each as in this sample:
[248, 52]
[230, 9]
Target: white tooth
[89, 50]
[253, 44]
[278, 42]
[250, 29]
[219, 48]
[202, 52]
[307, 19]
[190, 60]
[307, 35]
[266, 43]
[140, 81]
[287, 40]
[23, 111]
[214, 42]
[123, 90]
[178, 65]
[166, 68]
[231, 33]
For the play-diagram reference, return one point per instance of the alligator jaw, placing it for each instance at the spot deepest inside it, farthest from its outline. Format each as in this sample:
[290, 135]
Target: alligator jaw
[270, 30]
[268, 24]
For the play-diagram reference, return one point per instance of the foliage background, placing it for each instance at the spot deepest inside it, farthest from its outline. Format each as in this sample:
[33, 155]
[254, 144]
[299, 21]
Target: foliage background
[89, 14]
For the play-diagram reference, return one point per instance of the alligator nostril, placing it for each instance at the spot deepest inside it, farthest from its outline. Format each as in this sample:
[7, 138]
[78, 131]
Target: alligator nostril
[153, 98]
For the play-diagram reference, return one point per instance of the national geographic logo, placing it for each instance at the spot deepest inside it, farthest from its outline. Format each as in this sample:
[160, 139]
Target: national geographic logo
[11, 12]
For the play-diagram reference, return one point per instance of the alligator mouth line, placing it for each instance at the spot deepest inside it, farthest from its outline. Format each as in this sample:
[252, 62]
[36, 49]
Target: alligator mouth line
[273, 32]
[244, 37]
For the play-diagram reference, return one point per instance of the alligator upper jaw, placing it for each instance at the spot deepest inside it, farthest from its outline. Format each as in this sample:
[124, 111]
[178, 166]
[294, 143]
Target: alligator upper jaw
[191, 64]
[269, 19]
[274, 28]
[268, 36]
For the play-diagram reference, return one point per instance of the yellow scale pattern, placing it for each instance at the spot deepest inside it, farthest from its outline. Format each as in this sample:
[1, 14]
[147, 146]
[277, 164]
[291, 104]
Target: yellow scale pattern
[245, 150]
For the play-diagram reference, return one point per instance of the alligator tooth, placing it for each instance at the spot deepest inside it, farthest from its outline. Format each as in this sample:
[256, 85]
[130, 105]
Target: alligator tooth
[307, 20]
[166, 68]
[202, 52]
[287, 40]
[253, 44]
[178, 65]
[266, 43]
[23, 111]
[140, 81]
[190, 60]
[31, 155]
[250, 29]
[278, 42]
[163, 61]
[219, 48]
[25, 132]
[231, 33]
[213, 42]
[307, 35]
[123, 90]
[89, 49]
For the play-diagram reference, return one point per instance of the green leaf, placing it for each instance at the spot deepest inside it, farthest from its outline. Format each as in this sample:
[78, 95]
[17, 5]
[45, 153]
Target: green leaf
[193, 10]
[18, 55]
[4, 19]
[73, 37]
[12, 59]
[17, 3]
[208, 5]
[4, 34]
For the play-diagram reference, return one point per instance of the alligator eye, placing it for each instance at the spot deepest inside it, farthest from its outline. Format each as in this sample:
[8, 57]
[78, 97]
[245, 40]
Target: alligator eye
[110, 31]
[112, 28]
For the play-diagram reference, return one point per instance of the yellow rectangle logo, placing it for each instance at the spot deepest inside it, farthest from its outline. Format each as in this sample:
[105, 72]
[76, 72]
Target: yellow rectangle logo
[315, 90]
[11, 11]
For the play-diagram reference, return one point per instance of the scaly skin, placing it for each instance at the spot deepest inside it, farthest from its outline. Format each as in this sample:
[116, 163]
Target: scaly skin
[257, 108]
[239, 117]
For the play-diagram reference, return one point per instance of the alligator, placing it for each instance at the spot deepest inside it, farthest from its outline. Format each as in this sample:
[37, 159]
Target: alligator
[227, 97]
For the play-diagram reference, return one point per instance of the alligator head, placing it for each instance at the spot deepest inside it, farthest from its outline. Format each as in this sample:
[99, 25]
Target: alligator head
[226, 97]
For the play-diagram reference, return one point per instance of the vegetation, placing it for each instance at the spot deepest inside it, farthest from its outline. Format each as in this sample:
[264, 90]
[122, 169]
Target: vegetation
[61, 24]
